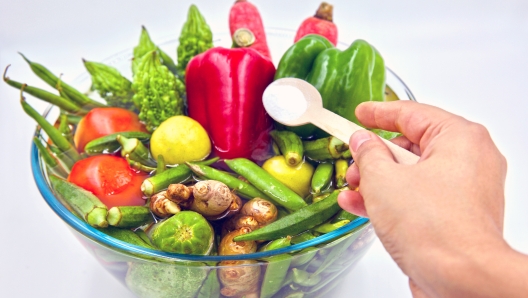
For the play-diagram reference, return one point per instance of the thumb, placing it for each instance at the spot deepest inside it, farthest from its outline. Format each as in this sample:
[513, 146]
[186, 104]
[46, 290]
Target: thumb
[368, 149]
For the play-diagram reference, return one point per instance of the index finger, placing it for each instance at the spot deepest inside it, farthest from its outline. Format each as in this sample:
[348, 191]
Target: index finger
[416, 121]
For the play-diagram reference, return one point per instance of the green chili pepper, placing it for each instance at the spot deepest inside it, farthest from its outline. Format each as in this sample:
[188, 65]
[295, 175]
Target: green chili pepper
[195, 38]
[344, 78]
[52, 80]
[296, 222]
[262, 180]
[111, 85]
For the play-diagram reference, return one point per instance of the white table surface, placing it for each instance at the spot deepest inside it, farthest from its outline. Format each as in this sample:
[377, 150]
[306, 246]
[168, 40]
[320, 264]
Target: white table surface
[469, 57]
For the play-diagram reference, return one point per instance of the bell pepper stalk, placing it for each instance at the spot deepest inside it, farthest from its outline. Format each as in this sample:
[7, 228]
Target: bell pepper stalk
[344, 78]
[224, 94]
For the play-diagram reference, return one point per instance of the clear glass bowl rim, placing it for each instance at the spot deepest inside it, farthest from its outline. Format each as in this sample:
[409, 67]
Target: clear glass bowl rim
[137, 251]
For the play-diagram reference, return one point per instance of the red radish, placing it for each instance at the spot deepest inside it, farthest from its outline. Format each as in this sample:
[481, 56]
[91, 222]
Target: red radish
[246, 15]
[109, 178]
[320, 24]
[100, 122]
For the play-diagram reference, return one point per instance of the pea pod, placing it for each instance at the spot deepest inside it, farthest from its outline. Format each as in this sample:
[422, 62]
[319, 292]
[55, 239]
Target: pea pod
[109, 143]
[322, 176]
[304, 278]
[276, 271]
[129, 216]
[304, 256]
[290, 145]
[52, 80]
[242, 188]
[296, 222]
[84, 203]
[328, 227]
[262, 180]
[211, 286]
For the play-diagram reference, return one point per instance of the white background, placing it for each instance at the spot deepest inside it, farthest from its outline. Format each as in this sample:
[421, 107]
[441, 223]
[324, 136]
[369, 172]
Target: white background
[469, 57]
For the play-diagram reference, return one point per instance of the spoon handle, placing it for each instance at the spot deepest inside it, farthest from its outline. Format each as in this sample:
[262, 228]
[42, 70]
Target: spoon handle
[342, 129]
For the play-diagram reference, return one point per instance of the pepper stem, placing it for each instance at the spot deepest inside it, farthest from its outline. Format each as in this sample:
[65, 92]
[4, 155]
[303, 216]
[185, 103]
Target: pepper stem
[325, 12]
[243, 37]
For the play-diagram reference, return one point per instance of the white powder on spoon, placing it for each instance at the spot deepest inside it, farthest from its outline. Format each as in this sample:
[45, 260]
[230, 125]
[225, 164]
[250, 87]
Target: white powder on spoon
[284, 103]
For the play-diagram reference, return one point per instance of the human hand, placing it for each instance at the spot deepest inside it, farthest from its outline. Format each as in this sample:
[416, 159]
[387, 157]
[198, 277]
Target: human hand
[435, 218]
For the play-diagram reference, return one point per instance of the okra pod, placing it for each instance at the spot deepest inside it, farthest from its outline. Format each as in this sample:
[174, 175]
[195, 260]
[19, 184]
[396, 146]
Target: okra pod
[177, 174]
[296, 222]
[328, 227]
[129, 216]
[242, 188]
[54, 134]
[83, 202]
[276, 271]
[50, 161]
[341, 167]
[52, 80]
[290, 145]
[135, 150]
[262, 180]
[322, 176]
[109, 143]
[139, 166]
[126, 235]
[324, 149]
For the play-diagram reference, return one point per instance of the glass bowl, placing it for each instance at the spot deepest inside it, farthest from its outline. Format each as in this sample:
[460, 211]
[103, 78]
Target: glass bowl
[308, 269]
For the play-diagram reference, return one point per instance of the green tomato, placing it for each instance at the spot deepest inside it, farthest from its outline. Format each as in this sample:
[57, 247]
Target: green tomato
[297, 178]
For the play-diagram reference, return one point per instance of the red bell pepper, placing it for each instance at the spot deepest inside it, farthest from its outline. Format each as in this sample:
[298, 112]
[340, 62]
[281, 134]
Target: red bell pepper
[224, 94]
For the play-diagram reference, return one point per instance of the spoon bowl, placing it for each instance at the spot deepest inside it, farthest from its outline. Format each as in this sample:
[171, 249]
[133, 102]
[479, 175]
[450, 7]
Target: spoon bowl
[294, 102]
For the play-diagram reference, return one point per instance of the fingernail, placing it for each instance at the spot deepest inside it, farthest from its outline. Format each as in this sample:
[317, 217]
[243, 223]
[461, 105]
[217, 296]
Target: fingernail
[358, 138]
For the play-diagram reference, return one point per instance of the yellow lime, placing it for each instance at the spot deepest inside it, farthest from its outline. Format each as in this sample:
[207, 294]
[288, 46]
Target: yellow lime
[297, 178]
[180, 139]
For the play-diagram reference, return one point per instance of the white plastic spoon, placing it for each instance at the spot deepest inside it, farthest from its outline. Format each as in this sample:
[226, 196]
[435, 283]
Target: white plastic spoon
[295, 102]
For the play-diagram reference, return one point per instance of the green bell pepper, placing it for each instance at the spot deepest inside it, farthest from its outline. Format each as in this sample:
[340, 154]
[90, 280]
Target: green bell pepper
[344, 78]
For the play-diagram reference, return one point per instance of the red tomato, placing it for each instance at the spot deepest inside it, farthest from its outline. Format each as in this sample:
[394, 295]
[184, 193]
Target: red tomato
[110, 178]
[100, 122]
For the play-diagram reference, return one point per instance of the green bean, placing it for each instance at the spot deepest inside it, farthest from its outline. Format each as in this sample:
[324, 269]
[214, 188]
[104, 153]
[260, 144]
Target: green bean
[54, 134]
[49, 160]
[262, 180]
[242, 188]
[52, 80]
